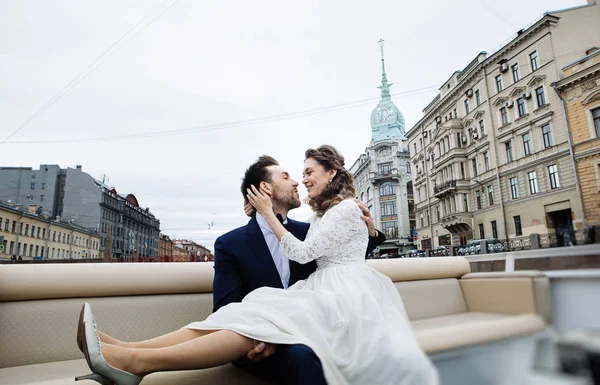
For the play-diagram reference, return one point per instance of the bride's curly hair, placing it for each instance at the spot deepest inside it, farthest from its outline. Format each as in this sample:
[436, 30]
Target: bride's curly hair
[341, 186]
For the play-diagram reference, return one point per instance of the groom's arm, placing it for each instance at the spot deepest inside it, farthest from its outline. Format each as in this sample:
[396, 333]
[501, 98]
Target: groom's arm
[227, 282]
[375, 241]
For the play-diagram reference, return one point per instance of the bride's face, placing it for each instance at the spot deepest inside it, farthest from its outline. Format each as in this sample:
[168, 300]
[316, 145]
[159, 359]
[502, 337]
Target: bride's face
[315, 178]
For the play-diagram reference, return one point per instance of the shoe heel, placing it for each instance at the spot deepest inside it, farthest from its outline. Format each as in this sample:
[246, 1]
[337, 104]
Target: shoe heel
[95, 377]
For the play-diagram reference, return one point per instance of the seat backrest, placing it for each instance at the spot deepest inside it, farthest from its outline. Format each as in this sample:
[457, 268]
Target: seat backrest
[39, 304]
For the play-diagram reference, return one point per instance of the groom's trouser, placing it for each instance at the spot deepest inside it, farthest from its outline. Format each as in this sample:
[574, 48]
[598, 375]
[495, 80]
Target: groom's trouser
[290, 365]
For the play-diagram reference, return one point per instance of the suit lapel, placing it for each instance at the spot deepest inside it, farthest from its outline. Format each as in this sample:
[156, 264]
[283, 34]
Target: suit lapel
[257, 244]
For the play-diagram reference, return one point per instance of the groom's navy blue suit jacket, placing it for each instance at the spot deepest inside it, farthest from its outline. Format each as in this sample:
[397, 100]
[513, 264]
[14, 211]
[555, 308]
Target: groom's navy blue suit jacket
[243, 263]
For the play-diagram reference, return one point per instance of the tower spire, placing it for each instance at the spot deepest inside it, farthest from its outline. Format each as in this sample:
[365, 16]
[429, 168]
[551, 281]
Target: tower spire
[385, 86]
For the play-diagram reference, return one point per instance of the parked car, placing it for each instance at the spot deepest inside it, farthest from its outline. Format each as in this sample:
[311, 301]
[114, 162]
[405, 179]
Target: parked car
[415, 253]
[474, 246]
[440, 251]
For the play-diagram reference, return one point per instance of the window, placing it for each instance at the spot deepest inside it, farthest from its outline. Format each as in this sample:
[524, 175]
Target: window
[462, 170]
[385, 169]
[499, 85]
[533, 185]
[596, 117]
[504, 115]
[518, 228]
[515, 72]
[41, 198]
[43, 186]
[474, 164]
[553, 174]
[388, 208]
[6, 222]
[540, 96]
[534, 60]
[390, 229]
[491, 195]
[33, 185]
[478, 199]
[481, 232]
[514, 188]
[477, 97]
[467, 108]
[547, 135]
[521, 106]
[38, 232]
[527, 144]
[415, 147]
[486, 160]
[509, 151]
[458, 140]
[482, 127]
[388, 188]
[455, 114]
[465, 202]
[494, 230]
[44, 234]
[26, 230]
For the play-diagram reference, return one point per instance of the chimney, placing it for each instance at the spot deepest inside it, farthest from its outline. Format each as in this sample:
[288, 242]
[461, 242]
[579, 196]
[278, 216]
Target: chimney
[31, 209]
[78, 167]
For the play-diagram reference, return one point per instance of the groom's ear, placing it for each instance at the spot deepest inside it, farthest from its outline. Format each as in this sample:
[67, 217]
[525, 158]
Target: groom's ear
[266, 187]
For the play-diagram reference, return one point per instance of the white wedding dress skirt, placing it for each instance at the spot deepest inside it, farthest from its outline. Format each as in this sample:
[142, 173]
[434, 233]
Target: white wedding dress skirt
[350, 315]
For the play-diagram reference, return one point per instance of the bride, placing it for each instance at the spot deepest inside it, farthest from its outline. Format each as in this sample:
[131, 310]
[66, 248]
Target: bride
[347, 312]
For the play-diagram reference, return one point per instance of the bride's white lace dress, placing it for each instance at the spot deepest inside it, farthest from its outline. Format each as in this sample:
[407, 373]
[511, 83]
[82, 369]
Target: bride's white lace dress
[347, 312]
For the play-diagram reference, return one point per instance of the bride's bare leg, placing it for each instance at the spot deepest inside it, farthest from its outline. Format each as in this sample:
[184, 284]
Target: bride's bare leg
[208, 351]
[169, 339]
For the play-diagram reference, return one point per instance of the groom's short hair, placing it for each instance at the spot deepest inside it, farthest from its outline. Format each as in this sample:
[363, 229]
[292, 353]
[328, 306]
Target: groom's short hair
[257, 172]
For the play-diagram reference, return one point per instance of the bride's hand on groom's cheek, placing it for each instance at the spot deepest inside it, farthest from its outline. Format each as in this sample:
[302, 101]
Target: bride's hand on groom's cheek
[260, 200]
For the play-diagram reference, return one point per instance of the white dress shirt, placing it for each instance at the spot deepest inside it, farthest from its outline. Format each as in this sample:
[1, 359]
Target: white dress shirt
[282, 263]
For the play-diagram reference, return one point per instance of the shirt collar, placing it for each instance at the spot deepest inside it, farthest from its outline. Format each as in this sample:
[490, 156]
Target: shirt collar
[262, 223]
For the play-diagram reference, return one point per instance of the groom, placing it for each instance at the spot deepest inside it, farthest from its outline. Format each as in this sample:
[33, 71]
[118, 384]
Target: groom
[249, 257]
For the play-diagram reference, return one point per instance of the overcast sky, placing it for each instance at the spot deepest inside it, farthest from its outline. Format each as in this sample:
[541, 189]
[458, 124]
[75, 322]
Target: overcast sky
[206, 64]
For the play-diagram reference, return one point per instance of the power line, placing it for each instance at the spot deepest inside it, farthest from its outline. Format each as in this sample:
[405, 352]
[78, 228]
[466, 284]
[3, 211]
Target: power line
[234, 124]
[495, 13]
[85, 73]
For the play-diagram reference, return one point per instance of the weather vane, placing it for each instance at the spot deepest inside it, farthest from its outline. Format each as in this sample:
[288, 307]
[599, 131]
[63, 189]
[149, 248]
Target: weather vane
[381, 46]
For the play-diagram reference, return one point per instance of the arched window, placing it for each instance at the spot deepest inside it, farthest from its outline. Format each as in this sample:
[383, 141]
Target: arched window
[385, 151]
[368, 194]
[362, 197]
[388, 188]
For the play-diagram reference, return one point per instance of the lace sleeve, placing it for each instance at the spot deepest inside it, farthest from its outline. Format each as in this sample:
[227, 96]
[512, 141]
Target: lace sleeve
[338, 227]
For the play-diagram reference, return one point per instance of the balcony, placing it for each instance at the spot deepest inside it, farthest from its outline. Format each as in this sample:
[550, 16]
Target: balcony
[458, 223]
[449, 187]
[384, 175]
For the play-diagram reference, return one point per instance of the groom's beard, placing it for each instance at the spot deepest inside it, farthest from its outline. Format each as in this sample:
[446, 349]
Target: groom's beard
[289, 202]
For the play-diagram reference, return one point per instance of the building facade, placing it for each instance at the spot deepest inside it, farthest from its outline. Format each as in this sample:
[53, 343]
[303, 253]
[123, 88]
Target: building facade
[491, 155]
[580, 91]
[73, 196]
[194, 250]
[28, 235]
[382, 175]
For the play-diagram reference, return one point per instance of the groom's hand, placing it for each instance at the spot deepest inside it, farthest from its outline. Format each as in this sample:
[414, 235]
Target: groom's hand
[261, 351]
[367, 218]
[248, 208]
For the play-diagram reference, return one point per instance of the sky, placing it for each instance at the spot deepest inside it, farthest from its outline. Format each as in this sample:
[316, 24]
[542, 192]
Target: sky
[172, 100]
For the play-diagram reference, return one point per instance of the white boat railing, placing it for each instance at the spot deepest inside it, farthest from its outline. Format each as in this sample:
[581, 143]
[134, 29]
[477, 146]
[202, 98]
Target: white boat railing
[511, 256]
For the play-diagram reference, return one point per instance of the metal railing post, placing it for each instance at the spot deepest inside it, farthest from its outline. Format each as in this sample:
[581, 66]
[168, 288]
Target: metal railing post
[509, 265]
